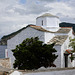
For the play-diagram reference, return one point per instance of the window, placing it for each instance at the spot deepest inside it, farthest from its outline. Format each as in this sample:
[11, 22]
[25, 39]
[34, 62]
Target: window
[42, 22]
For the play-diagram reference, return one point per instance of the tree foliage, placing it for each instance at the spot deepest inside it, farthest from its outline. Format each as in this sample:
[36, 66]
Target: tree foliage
[72, 44]
[64, 24]
[32, 54]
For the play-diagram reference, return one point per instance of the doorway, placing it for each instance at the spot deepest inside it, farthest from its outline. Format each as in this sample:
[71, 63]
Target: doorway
[66, 60]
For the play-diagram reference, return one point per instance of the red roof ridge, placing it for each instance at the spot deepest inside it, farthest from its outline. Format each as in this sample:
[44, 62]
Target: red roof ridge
[32, 25]
[35, 26]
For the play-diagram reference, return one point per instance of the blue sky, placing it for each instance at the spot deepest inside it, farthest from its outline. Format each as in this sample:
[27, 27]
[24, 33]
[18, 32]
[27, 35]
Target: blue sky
[23, 1]
[15, 14]
[58, 0]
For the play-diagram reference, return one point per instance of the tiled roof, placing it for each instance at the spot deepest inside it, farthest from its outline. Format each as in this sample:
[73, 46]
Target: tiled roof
[64, 30]
[61, 30]
[47, 15]
[68, 51]
[58, 39]
[39, 28]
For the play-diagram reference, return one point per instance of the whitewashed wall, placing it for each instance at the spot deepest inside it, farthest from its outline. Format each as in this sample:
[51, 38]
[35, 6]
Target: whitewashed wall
[70, 34]
[57, 62]
[53, 29]
[48, 36]
[27, 33]
[52, 22]
[49, 23]
[60, 61]
[64, 47]
[39, 21]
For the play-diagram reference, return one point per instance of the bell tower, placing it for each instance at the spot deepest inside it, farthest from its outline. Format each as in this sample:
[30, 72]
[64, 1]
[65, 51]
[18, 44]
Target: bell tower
[48, 21]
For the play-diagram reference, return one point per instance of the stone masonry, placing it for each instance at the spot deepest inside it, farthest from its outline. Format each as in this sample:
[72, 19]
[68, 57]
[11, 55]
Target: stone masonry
[5, 63]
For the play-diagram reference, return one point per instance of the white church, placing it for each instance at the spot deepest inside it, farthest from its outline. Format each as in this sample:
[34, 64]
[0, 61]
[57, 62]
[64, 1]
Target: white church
[48, 30]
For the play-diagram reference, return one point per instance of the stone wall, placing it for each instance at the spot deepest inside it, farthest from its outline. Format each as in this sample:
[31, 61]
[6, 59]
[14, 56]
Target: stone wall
[5, 62]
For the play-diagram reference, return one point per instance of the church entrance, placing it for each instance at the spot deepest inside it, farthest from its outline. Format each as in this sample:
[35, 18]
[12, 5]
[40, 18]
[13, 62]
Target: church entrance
[66, 60]
[67, 52]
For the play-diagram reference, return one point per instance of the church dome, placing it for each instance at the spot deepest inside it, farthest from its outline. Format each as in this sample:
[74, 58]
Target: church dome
[47, 15]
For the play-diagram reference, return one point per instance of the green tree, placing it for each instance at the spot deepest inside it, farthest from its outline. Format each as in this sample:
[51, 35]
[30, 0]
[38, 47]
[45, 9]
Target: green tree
[32, 54]
[72, 44]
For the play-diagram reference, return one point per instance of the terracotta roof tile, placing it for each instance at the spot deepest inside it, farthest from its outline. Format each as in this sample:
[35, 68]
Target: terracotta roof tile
[40, 28]
[61, 30]
[58, 39]
[64, 30]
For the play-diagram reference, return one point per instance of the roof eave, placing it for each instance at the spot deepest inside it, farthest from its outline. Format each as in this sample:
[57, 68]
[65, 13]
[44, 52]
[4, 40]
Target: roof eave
[48, 16]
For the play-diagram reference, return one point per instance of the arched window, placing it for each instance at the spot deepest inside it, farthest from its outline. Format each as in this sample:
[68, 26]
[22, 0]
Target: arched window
[42, 22]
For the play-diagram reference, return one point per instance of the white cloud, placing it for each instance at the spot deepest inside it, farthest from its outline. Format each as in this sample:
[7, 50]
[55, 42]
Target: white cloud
[63, 10]
[14, 15]
[59, 8]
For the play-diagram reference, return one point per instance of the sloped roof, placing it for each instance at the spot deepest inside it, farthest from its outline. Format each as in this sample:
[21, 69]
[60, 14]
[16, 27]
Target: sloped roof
[61, 30]
[39, 28]
[58, 39]
[48, 15]
[64, 30]
[5, 38]
[68, 51]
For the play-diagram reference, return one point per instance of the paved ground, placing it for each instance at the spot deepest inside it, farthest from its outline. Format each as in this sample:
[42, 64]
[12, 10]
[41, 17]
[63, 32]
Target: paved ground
[59, 71]
[63, 72]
